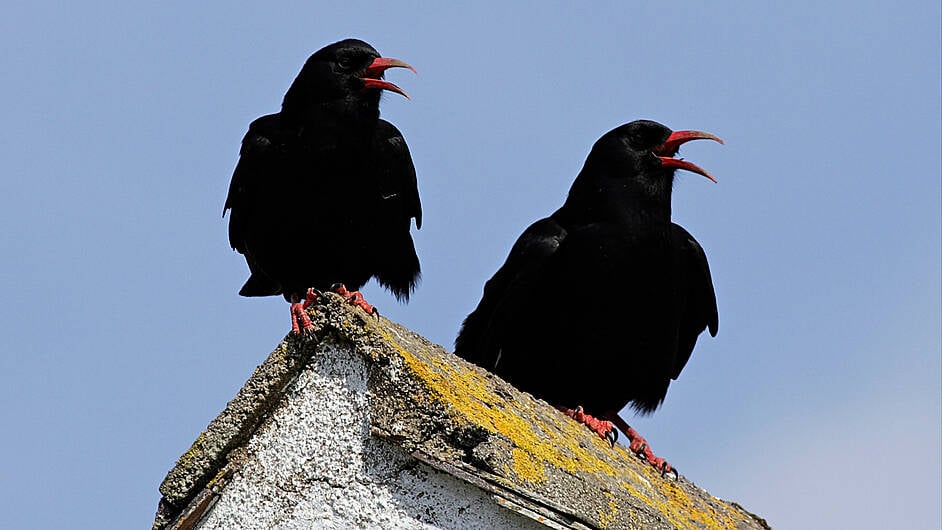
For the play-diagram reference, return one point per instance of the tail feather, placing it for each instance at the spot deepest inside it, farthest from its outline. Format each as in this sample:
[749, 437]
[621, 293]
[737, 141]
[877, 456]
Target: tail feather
[400, 271]
[260, 285]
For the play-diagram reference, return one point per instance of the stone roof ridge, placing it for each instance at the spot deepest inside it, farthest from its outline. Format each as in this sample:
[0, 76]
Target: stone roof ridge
[366, 404]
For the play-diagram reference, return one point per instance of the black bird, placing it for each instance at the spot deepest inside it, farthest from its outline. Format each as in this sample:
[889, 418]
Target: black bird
[325, 191]
[600, 304]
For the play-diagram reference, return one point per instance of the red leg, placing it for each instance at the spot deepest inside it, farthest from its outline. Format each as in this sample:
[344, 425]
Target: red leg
[605, 429]
[310, 297]
[299, 319]
[639, 446]
[354, 298]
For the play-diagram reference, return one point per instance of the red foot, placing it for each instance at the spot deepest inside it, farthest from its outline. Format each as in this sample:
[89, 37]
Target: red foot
[354, 298]
[299, 319]
[605, 429]
[639, 446]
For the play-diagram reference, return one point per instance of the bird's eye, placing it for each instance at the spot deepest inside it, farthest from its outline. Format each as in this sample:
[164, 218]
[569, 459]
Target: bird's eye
[345, 62]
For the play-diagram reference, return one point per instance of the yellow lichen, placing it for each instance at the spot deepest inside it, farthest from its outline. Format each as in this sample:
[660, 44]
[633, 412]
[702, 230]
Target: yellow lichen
[193, 451]
[697, 516]
[682, 512]
[536, 445]
[607, 517]
[466, 393]
[221, 474]
[526, 467]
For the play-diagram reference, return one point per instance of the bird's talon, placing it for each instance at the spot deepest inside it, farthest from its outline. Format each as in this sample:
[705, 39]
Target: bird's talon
[311, 297]
[612, 437]
[671, 472]
[668, 470]
[300, 321]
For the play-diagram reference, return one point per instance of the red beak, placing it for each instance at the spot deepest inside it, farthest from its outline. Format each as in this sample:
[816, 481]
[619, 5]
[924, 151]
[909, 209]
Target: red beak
[677, 138]
[373, 73]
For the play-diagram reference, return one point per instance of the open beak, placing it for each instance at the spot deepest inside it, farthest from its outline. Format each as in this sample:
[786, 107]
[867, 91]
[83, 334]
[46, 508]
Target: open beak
[372, 76]
[669, 148]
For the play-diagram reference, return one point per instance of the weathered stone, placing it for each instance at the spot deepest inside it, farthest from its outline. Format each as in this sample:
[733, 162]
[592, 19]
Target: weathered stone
[367, 424]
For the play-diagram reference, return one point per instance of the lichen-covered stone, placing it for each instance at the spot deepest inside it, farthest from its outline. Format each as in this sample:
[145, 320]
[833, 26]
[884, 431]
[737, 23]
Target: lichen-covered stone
[452, 419]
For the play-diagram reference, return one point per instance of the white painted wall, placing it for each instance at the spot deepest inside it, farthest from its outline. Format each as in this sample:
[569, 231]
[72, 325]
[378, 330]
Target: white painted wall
[315, 465]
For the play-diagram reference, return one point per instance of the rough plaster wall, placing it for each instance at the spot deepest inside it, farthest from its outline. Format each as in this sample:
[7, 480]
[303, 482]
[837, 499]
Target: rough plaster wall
[315, 465]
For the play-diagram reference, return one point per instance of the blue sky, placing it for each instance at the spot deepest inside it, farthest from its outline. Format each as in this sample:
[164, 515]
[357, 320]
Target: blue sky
[816, 406]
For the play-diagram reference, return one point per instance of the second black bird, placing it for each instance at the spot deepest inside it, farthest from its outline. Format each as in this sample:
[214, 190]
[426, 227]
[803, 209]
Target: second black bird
[600, 304]
[325, 191]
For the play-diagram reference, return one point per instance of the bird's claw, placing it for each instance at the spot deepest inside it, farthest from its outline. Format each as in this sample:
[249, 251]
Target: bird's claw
[357, 299]
[657, 462]
[605, 429]
[354, 298]
[300, 321]
[612, 436]
[669, 471]
[639, 446]
[313, 295]
[665, 468]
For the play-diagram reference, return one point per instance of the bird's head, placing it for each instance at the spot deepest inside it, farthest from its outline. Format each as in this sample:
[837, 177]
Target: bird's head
[633, 166]
[647, 149]
[347, 70]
